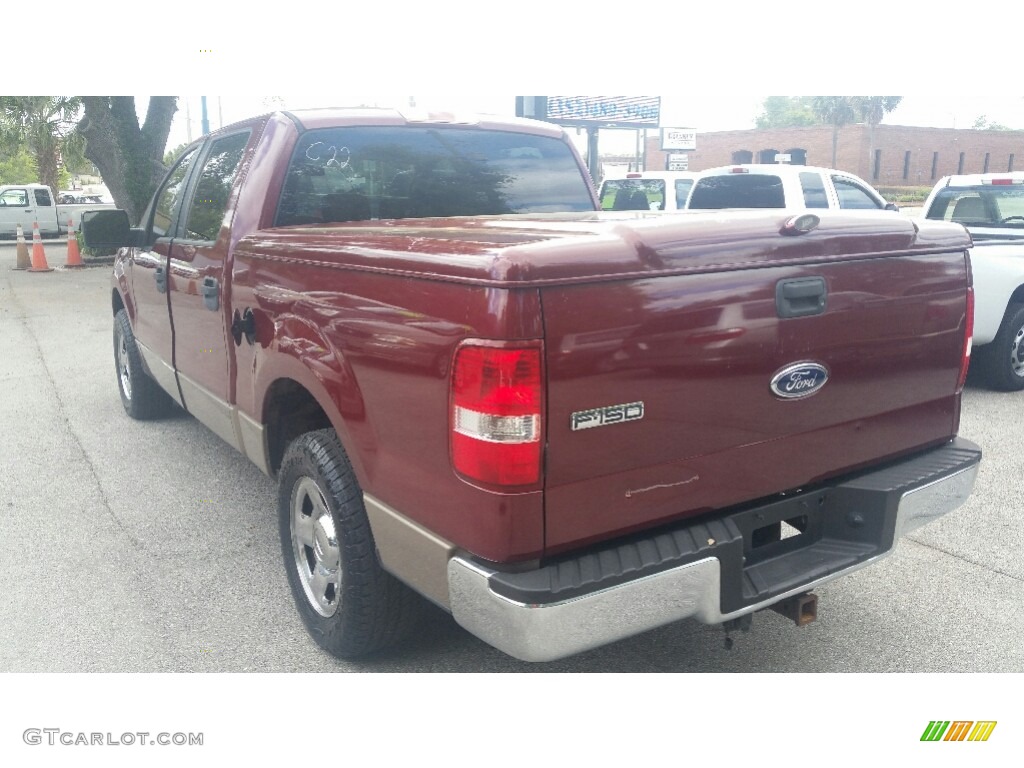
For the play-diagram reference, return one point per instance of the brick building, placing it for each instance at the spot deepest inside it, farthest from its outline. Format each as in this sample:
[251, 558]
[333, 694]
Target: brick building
[902, 155]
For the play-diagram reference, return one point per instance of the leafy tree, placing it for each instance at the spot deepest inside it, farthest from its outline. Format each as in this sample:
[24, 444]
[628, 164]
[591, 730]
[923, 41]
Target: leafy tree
[872, 110]
[129, 156]
[984, 124]
[17, 166]
[171, 157]
[786, 112]
[45, 126]
[836, 111]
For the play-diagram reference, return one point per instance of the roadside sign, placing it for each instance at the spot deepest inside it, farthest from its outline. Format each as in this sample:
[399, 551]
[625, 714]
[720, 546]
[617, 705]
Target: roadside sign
[678, 139]
[678, 162]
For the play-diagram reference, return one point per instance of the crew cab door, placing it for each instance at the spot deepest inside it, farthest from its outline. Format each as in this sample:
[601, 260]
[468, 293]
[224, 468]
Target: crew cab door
[45, 212]
[149, 267]
[199, 305]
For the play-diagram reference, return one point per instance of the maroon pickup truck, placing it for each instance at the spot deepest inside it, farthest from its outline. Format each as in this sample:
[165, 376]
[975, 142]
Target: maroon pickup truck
[564, 426]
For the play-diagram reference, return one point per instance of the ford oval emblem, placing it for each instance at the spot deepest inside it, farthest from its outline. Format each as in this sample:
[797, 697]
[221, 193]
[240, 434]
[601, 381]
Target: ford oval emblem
[799, 380]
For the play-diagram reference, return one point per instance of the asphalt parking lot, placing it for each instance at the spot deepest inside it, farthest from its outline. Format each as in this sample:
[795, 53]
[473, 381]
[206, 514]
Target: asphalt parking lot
[152, 547]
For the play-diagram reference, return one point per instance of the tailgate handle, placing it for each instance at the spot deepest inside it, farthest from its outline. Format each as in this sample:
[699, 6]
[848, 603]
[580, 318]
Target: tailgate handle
[800, 297]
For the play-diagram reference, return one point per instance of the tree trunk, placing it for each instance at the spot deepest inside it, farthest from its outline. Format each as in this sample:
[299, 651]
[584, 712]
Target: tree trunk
[129, 158]
[44, 147]
[835, 143]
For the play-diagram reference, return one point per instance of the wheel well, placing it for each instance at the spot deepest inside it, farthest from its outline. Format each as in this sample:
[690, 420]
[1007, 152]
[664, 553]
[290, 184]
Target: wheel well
[118, 305]
[290, 411]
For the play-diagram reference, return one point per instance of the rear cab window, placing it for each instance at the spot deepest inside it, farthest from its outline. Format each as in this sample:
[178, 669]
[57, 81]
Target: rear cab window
[981, 205]
[738, 190]
[361, 173]
[633, 195]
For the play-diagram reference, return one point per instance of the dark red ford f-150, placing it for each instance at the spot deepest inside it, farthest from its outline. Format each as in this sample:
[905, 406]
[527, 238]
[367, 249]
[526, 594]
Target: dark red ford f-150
[564, 426]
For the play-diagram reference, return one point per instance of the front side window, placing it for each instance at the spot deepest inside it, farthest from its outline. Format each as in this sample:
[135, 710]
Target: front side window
[17, 198]
[168, 201]
[852, 195]
[206, 213]
[392, 172]
[738, 190]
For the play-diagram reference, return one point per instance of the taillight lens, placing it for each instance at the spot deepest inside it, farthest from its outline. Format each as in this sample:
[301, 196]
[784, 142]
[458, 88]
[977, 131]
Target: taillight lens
[496, 414]
[965, 360]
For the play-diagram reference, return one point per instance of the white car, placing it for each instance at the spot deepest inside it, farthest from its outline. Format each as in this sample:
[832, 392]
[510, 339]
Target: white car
[991, 207]
[647, 191]
[782, 186]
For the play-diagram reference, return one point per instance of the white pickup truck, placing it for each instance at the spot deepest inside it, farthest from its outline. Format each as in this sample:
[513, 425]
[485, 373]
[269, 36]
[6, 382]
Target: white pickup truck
[782, 186]
[991, 207]
[27, 203]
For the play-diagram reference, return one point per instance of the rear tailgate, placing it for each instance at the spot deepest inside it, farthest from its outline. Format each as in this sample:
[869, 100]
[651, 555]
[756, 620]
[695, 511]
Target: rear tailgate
[660, 404]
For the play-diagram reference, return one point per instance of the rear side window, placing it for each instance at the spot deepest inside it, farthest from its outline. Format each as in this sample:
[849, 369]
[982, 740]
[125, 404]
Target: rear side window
[738, 190]
[814, 190]
[683, 187]
[633, 195]
[214, 186]
[395, 172]
[852, 195]
[42, 197]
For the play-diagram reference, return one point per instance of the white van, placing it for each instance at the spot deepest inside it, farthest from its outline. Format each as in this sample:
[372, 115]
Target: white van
[647, 191]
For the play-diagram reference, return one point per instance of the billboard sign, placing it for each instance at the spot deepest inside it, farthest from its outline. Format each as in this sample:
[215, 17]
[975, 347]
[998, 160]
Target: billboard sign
[678, 139]
[602, 111]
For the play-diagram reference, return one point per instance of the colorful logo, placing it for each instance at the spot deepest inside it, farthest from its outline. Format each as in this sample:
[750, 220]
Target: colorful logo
[958, 730]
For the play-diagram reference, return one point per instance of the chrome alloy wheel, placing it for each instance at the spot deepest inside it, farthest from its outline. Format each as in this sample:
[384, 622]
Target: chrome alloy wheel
[315, 546]
[1017, 352]
[122, 367]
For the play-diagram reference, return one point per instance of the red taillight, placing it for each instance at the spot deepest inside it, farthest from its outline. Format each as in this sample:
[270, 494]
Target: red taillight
[965, 359]
[633, 176]
[739, 170]
[496, 414]
[1000, 182]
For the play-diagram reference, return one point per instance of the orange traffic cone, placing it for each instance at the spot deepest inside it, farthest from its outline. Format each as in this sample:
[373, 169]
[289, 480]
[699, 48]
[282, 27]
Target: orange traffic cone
[38, 254]
[23, 262]
[74, 257]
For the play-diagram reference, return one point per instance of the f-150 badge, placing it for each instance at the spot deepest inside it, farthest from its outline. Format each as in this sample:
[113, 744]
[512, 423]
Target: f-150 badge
[610, 414]
[799, 380]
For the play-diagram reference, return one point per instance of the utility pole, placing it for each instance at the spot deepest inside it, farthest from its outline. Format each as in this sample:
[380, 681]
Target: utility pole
[188, 122]
[206, 120]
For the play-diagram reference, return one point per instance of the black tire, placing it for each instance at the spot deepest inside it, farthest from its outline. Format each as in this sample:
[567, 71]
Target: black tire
[354, 607]
[141, 397]
[1002, 361]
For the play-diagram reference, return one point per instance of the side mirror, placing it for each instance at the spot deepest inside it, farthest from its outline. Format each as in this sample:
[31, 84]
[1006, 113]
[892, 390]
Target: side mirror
[891, 207]
[110, 229]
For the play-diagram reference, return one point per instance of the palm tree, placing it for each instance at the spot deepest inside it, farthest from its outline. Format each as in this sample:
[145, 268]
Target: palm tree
[837, 111]
[45, 125]
[872, 109]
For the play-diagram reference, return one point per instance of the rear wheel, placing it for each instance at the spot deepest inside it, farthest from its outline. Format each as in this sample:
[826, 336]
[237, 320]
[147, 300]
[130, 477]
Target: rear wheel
[141, 397]
[1002, 361]
[349, 604]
